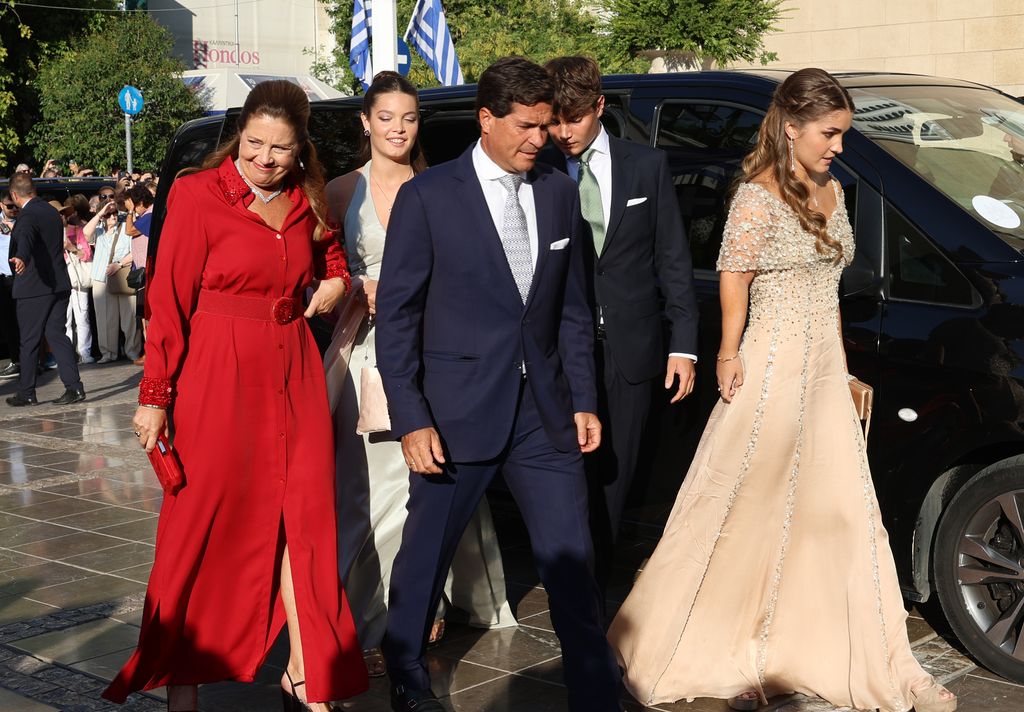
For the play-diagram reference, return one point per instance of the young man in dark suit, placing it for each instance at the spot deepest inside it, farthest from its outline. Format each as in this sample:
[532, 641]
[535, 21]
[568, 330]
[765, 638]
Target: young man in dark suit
[638, 253]
[42, 290]
[485, 348]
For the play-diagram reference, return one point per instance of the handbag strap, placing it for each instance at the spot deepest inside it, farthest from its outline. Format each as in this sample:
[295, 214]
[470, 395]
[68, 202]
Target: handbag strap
[113, 244]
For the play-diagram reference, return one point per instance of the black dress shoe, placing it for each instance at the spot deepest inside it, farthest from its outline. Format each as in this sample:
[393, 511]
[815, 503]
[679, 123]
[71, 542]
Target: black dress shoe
[17, 401]
[406, 700]
[71, 396]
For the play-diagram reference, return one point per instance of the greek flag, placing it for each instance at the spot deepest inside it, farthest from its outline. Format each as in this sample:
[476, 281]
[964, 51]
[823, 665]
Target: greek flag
[428, 33]
[359, 52]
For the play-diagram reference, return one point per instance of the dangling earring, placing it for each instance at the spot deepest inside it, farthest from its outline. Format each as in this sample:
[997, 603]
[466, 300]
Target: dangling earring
[792, 155]
[302, 165]
[366, 132]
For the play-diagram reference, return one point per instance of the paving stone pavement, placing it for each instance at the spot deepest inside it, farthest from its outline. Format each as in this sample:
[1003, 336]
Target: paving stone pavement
[78, 507]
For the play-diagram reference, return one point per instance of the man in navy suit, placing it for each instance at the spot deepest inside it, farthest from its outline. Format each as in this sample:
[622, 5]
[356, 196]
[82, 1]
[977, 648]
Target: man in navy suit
[42, 290]
[640, 272]
[485, 348]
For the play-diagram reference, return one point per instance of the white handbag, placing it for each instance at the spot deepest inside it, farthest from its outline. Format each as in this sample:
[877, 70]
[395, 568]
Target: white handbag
[78, 272]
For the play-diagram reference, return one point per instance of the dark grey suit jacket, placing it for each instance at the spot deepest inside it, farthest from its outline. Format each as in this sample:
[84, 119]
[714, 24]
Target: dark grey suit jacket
[646, 258]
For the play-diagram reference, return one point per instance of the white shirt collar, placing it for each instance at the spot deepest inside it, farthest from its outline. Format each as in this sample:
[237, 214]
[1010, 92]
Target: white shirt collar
[599, 144]
[487, 169]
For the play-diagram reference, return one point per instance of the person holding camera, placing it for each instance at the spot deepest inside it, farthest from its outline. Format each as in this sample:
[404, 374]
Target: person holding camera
[140, 217]
[115, 303]
[78, 256]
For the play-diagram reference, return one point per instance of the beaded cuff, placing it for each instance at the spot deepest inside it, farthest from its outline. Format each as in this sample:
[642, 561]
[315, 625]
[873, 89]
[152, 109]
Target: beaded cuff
[156, 391]
[339, 270]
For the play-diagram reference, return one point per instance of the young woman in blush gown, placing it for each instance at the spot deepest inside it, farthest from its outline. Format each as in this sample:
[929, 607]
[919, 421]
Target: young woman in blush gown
[774, 574]
[373, 477]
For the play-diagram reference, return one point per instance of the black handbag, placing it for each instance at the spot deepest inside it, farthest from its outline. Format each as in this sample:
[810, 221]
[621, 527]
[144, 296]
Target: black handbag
[136, 279]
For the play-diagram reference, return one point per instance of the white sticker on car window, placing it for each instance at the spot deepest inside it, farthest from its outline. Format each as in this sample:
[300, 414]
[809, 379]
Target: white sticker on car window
[996, 212]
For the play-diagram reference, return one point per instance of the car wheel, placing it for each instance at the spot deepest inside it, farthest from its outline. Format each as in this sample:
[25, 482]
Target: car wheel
[979, 567]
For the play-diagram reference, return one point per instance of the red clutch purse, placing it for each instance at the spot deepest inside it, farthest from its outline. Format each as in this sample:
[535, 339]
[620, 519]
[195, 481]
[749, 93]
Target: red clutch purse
[167, 466]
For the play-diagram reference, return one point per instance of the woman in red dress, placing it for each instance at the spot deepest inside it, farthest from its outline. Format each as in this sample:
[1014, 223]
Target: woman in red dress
[249, 543]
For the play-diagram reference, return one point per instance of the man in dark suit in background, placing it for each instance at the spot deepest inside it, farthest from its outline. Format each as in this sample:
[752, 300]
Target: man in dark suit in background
[485, 348]
[638, 251]
[8, 319]
[41, 290]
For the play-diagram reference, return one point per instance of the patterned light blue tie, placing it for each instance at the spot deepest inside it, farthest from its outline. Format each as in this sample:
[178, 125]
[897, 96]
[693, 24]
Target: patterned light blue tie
[515, 238]
[590, 200]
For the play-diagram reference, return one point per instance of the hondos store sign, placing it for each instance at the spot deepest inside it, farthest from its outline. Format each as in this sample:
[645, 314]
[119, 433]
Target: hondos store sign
[274, 37]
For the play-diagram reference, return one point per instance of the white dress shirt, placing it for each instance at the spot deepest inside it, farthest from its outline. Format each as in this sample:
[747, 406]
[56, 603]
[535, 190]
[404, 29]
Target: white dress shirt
[488, 173]
[601, 166]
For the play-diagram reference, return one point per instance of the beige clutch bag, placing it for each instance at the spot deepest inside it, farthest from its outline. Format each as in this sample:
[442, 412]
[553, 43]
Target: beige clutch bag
[863, 399]
[373, 404]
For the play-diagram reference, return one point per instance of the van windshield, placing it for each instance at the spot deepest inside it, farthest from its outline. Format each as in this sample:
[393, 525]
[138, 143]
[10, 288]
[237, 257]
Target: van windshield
[967, 142]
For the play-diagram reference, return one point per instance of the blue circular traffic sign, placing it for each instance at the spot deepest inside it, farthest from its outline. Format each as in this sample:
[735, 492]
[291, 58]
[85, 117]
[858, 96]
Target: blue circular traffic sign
[130, 100]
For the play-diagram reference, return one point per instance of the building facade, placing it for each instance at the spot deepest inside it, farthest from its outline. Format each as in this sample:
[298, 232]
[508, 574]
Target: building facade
[980, 40]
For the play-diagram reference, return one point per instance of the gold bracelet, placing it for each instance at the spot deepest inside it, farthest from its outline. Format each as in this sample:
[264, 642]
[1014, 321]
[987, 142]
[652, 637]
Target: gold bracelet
[731, 358]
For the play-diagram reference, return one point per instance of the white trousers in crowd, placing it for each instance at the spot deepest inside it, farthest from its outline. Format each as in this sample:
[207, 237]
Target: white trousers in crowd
[78, 322]
[115, 313]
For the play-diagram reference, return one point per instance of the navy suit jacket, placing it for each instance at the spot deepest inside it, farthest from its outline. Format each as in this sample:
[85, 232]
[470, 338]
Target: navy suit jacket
[452, 331]
[38, 240]
[646, 259]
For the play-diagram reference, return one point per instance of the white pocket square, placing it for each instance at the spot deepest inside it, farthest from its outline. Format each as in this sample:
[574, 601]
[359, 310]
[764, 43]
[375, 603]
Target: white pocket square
[560, 244]
[635, 201]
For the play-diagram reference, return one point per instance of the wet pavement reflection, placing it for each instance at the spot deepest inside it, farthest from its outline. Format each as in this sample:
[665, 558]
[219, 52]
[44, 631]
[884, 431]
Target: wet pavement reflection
[78, 513]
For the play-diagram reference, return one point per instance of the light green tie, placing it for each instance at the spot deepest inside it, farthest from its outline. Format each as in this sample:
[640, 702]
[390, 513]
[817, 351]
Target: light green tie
[590, 200]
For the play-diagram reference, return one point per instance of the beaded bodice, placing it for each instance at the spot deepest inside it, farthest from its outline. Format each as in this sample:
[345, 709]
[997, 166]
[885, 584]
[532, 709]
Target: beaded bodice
[792, 280]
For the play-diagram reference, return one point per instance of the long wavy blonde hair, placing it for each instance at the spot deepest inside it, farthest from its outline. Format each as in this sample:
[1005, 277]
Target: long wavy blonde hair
[280, 99]
[805, 96]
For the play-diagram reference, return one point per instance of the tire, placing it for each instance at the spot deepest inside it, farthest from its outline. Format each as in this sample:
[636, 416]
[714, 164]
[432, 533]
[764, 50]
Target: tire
[978, 565]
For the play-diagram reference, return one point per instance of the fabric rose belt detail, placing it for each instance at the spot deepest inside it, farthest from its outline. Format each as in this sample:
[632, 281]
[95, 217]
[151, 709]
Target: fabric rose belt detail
[282, 310]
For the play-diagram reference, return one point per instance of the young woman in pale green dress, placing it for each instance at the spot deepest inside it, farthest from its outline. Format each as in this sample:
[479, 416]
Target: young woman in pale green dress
[372, 475]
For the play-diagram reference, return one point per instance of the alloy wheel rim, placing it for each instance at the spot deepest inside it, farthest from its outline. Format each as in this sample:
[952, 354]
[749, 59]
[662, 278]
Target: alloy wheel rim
[990, 571]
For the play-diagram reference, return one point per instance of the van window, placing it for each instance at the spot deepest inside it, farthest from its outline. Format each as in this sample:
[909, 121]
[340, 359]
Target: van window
[920, 272]
[445, 135]
[706, 143]
[337, 135]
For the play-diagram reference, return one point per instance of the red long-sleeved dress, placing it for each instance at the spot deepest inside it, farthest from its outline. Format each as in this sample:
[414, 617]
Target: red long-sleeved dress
[228, 344]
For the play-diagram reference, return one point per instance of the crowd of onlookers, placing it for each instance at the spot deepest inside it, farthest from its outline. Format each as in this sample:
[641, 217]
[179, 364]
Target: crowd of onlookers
[106, 238]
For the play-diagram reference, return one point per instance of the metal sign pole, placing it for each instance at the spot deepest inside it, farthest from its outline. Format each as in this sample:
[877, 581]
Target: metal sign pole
[128, 139]
[383, 44]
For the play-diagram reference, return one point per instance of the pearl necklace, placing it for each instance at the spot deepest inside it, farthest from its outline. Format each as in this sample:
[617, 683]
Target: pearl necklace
[255, 191]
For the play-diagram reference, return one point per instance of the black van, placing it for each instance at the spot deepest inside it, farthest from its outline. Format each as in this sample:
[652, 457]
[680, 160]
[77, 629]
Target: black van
[933, 305]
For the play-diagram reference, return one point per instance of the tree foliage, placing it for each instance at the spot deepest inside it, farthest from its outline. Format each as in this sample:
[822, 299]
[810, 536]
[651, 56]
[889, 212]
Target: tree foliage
[484, 30]
[722, 31]
[28, 36]
[78, 90]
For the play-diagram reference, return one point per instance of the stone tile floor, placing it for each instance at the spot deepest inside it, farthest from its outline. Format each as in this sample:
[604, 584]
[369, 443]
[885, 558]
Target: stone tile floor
[78, 507]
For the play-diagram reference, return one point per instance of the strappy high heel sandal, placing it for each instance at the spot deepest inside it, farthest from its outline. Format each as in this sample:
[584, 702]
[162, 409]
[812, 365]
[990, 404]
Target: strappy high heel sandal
[930, 699]
[746, 702]
[290, 701]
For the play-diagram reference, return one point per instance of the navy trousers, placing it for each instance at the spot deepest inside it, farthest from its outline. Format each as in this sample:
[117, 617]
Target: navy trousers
[551, 490]
[39, 317]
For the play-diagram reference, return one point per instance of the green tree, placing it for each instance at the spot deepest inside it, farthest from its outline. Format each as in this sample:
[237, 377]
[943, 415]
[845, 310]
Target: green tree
[703, 31]
[484, 30]
[80, 115]
[28, 35]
